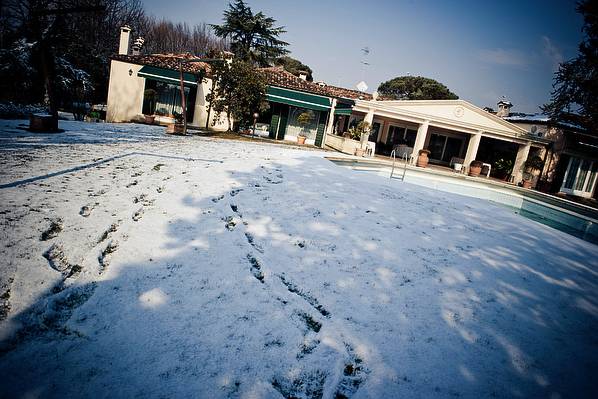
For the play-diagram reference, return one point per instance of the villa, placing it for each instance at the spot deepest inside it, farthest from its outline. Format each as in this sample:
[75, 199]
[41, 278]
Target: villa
[454, 131]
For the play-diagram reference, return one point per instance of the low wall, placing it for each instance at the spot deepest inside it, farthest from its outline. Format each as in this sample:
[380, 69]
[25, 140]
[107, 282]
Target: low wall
[347, 146]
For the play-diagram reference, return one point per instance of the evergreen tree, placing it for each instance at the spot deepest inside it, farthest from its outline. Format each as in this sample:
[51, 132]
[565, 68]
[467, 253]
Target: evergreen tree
[415, 88]
[253, 37]
[575, 87]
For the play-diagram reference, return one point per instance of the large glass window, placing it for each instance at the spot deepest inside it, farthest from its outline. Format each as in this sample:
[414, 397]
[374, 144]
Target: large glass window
[443, 148]
[571, 173]
[581, 177]
[410, 136]
[582, 173]
[401, 135]
[374, 132]
[592, 179]
[164, 99]
[302, 121]
[395, 135]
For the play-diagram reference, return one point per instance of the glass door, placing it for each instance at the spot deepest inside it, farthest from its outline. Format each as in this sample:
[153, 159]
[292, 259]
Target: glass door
[374, 132]
[452, 148]
[436, 146]
[580, 178]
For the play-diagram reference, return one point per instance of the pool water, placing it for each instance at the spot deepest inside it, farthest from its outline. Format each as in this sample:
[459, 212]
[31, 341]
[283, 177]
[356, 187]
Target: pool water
[581, 222]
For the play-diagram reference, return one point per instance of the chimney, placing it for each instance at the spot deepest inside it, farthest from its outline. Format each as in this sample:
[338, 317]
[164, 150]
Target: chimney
[137, 45]
[504, 107]
[123, 47]
[302, 75]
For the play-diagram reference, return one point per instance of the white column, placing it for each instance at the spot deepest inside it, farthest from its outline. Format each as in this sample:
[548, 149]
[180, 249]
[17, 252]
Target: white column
[519, 164]
[472, 148]
[330, 124]
[369, 117]
[420, 139]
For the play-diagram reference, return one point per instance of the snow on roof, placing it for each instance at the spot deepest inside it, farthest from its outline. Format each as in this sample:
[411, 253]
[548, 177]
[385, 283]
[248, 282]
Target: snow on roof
[539, 118]
[521, 117]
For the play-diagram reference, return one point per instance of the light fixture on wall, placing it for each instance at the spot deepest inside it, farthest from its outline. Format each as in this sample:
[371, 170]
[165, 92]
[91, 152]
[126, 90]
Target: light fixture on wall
[130, 72]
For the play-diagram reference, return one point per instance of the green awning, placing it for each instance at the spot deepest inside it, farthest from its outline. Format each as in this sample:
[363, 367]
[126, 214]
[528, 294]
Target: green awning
[167, 75]
[342, 111]
[344, 106]
[297, 98]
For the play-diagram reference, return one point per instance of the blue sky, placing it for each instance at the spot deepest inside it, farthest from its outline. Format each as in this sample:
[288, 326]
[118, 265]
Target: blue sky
[480, 50]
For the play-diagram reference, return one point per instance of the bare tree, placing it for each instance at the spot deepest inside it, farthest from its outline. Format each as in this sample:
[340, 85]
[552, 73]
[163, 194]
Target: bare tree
[163, 36]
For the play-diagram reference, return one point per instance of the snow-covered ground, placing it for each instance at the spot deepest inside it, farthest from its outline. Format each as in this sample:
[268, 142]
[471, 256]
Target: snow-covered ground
[139, 265]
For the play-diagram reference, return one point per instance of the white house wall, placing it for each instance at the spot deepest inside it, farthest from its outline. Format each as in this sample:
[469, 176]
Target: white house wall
[200, 114]
[125, 92]
[125, 97]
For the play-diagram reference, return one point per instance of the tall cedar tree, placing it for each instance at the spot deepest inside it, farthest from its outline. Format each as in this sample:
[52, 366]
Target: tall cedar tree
[253, 37]
[415, 88]
[239, 91]
[575, 87]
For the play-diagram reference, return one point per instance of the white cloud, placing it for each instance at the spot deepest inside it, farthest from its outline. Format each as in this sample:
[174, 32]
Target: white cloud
[552, 52]
[506, 57]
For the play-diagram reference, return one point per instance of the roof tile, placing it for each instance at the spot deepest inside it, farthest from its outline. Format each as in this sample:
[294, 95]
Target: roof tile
[167, 61]
[277, 76]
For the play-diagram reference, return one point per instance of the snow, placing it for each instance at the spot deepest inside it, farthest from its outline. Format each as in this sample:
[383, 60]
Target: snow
[528, 117]
[198, 267]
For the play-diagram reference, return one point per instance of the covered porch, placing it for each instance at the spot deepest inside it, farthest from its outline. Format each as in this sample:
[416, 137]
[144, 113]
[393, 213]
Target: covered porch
[453, 131]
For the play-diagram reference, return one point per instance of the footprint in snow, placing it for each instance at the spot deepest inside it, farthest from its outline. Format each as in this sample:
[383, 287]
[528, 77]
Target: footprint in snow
[138, 215]
[53, 230]
[86, 209]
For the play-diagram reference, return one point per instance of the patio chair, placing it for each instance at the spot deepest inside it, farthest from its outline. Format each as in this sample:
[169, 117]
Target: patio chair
[457, 164]
[402, 151]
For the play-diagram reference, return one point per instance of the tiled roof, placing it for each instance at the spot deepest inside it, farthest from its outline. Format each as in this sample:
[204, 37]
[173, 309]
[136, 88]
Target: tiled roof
[277, 76]
[166, 61]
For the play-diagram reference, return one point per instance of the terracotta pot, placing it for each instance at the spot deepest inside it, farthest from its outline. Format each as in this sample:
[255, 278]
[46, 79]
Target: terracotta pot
[149, 119]
[174, 128]
[527, 184]
[475, 171]
[422, 160]
[300, 139]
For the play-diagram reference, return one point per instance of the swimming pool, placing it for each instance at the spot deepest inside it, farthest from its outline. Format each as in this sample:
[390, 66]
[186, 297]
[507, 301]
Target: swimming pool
[572, 218]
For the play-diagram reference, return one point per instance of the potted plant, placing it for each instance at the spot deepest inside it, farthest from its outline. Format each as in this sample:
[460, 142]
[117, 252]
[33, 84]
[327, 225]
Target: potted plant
[94, 116]
[475, 168]
[150, 95]
[503, 168]
[304, 119]
[177, 127]
[531, 166]
[422, 158]
[357, 133]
